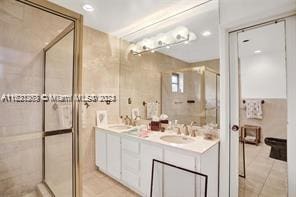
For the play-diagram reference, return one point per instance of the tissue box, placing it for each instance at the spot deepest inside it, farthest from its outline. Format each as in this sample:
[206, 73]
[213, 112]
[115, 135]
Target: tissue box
[155, 125]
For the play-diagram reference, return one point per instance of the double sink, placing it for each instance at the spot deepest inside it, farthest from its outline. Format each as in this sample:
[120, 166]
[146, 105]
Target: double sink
[176, 139]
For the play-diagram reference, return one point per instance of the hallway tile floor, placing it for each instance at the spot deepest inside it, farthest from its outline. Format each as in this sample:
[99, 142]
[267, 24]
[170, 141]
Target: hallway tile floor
[265, 177]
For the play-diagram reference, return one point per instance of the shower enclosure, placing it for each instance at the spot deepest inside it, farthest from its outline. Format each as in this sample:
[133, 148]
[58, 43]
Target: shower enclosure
[212, 95]
[40, 47]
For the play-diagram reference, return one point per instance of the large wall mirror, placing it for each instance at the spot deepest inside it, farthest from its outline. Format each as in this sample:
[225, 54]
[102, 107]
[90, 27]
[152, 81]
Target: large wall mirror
[170, 70]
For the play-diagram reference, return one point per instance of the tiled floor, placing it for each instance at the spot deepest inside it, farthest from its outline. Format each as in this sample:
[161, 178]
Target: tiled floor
[265, 177]
[31, 194]
[97, 184]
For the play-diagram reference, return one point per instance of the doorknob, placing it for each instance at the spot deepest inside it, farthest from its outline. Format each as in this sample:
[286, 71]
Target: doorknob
[235, 128]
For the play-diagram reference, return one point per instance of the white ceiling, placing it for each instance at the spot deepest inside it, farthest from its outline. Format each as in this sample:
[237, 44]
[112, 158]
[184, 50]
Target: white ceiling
[267, 39]
[120, 18]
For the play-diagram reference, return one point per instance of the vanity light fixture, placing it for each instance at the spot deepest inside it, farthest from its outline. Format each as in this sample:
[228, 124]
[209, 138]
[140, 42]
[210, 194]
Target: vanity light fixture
[257, 51]
[206, 33]
[88, 7]
[179, 35]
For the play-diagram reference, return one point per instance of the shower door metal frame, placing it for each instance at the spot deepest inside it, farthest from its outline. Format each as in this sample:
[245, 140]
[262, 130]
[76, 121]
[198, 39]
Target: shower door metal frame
[77, 20]
[46, 133]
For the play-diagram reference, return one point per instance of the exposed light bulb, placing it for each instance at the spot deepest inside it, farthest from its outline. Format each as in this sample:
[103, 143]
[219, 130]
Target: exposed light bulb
[186, 42]
[152, 51]
[180, 33]
[167, 47]
[257, 51]
[192, 36]
[88, 8]
[206, 33]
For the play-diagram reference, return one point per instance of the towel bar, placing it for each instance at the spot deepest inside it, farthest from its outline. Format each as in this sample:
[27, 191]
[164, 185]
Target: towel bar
[262, 101]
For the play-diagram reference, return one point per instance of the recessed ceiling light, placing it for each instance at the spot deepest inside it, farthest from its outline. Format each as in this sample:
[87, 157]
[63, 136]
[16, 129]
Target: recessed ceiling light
[257, 51]
[186, 42]
[206, 33]
[88, 8]
[167, 47]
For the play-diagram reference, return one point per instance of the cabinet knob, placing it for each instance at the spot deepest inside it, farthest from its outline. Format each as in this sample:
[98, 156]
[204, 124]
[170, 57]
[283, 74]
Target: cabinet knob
[235, 128]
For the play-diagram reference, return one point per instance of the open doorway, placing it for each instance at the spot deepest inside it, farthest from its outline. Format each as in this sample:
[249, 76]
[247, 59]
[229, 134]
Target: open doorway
[262, 111]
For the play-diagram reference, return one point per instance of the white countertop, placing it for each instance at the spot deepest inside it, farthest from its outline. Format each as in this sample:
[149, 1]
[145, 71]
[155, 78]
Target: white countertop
[199, 145]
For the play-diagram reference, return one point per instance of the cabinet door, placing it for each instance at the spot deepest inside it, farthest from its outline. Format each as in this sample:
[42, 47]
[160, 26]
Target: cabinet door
[178, 182]
[148, 153]
[113, 155]
[101, 150]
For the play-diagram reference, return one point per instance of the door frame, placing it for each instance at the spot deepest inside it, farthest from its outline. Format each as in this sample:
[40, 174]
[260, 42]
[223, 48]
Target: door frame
[77, 78]
[225, 101]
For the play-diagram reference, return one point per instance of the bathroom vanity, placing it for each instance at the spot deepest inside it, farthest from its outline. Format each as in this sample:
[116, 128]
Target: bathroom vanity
[127, 158]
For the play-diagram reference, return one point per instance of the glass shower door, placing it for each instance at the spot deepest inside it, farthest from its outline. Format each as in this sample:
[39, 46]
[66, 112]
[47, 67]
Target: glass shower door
[212, 94]
[58, 126]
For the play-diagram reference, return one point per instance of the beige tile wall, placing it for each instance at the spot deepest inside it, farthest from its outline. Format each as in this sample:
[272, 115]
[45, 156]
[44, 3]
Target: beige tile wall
[274, 122]
[213, 64]
[100, 75]
[175, 104]
[140, 78]
[24, 33]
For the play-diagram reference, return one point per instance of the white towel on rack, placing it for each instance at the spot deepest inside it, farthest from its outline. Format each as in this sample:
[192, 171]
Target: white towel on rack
[65, 115]
[254, 109]
[152, 109]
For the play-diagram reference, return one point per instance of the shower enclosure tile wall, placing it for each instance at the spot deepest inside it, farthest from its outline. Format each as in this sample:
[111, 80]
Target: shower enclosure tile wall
[25, 31]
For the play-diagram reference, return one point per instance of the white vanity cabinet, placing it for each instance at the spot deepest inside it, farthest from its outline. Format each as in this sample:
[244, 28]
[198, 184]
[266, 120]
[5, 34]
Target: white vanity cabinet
[148, 153]
[131, 166]
[108, 153]
[101, 150]
[172, 177]
[113, 155]
[129, 160]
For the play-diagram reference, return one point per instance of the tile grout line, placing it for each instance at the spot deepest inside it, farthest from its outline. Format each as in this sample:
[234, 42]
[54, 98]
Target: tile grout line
[266, 178]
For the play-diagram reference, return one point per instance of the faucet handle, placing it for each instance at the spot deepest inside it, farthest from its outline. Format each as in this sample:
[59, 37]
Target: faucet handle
[186, 130]
[193, 132]
[178, 130]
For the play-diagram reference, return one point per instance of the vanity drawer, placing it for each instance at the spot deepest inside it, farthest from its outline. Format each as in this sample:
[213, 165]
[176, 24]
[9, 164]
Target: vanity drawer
[131, 179]
[130, 145]
[130, 162]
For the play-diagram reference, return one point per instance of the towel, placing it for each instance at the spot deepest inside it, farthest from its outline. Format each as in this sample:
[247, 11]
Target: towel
[152, 109]
[102, 118]
[254, 109]
[65, 115]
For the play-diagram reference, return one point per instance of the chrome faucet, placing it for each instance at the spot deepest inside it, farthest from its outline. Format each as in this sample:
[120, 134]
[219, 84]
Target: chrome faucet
[192, 123]
[127, 120]
[178, 130]
[193, 132]
[134, 120]
[186, 132]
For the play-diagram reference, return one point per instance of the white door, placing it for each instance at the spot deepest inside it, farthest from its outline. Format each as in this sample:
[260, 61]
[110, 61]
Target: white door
[234, 104]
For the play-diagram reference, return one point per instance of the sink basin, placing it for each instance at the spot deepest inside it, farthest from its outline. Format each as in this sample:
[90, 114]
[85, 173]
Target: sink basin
[176, 139]
[120, 127]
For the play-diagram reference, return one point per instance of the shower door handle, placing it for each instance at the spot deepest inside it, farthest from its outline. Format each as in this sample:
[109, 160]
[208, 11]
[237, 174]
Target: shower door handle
[235, 128]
